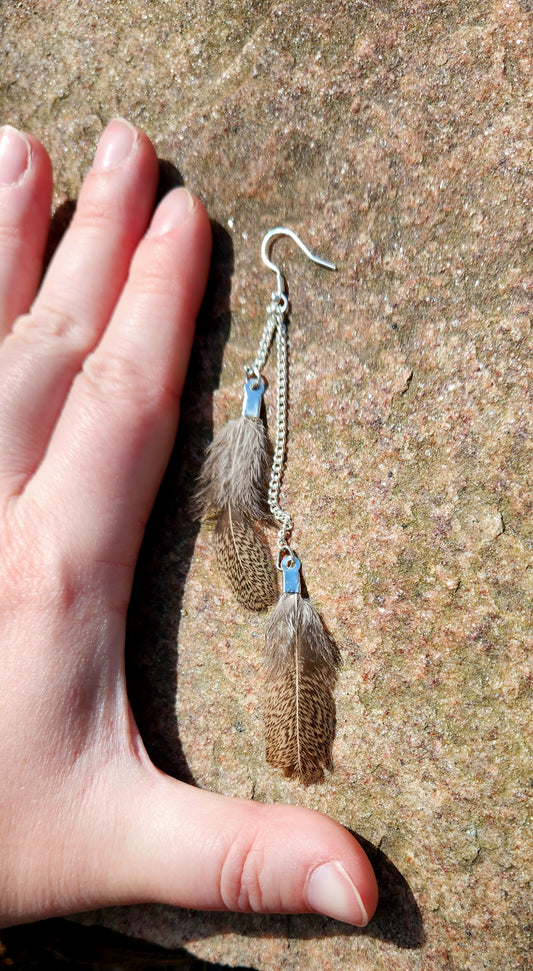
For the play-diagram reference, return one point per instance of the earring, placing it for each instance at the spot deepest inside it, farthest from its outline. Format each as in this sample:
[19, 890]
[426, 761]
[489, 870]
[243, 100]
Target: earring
[240, 487]
[301, 658]
[232, 494]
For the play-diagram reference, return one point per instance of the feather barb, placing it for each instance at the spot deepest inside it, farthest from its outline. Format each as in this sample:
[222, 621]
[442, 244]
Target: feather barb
[301, 662]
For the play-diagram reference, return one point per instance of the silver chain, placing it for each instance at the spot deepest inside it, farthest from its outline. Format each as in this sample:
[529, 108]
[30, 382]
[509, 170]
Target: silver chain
[282, 518]
[254, 369]
[277, 324]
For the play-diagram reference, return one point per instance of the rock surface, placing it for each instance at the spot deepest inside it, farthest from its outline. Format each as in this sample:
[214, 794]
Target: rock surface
[395, 137]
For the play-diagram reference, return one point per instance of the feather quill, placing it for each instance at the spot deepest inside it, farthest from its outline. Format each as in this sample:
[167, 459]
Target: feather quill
[301, 660]
[232, 491]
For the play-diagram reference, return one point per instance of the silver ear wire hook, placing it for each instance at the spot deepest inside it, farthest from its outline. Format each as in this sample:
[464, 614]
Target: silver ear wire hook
[283, 231]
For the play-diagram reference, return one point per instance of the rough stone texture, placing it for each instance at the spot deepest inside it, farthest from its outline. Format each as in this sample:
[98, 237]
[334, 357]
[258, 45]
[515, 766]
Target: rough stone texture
[395, 137]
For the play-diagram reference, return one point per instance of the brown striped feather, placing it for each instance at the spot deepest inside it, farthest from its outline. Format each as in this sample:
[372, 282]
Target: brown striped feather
[301, 664]
[245, 560]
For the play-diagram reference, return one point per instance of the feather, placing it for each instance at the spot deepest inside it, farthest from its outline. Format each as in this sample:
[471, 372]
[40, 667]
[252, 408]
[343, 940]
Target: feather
[301, 662]
[245, 560]
[236, 470]
[232, 492]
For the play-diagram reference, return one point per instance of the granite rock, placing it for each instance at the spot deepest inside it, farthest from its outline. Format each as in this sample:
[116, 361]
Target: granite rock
[395, 137]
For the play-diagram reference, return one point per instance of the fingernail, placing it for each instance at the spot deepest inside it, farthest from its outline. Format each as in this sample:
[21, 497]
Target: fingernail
[330, 891]
[171, 211]
[115, 145]
[14, 155]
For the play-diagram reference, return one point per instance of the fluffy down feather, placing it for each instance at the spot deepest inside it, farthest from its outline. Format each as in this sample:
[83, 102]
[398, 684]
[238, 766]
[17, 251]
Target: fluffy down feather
[236, 470]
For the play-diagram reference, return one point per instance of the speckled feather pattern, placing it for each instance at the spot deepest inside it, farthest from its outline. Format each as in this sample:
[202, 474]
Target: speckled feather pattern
[245, 560]
[232, 492]
[301, 661]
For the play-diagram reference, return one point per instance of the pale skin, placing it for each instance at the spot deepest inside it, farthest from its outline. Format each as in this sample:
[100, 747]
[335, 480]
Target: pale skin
[92, 364]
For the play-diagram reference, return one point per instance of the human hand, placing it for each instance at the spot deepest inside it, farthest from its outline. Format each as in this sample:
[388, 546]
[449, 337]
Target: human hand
[92, 365]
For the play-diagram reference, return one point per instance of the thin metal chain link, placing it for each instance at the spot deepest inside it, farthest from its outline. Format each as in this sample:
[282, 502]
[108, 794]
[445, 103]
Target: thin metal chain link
[279, 304]
[276, 325]
[282, 518]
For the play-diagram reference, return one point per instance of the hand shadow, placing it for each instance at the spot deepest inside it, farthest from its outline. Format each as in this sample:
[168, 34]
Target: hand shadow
[170, 536]
[398, 918]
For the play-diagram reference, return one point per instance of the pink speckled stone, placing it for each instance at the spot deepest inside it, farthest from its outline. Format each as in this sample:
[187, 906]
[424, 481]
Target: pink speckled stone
[395, 138]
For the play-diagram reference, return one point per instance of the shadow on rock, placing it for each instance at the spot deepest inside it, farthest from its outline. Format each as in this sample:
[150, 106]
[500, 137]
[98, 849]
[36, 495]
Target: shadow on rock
[170, 537]
[398, 918]
[59, 943]
[169, 178]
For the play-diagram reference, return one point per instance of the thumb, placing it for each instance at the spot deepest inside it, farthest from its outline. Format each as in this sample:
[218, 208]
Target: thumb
[192, 848]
